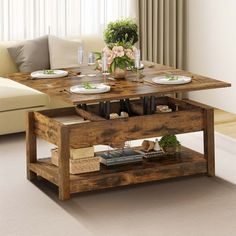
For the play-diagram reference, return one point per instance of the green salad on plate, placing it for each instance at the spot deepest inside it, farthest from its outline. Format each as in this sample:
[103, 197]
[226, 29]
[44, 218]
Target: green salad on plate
[172, 77]
[49, 72]
[88, 85]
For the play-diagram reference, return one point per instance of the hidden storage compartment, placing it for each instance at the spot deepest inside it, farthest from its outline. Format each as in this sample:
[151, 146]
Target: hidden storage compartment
[100, 111]
[138, 107]
[96, 128]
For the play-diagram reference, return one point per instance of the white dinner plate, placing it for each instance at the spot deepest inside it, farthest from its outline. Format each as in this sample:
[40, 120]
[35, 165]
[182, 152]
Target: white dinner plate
[42, 75]
[178, 79]
[98, 88]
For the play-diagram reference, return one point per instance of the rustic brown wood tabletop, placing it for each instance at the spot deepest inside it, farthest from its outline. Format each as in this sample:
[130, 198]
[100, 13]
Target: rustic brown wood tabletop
[120, 89]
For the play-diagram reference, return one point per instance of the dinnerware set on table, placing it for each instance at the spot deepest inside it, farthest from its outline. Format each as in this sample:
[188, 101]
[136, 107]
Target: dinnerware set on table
[95, 87]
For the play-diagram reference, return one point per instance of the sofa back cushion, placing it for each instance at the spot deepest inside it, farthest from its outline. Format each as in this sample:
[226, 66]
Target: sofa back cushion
[6, 63]
[93, 43]
[31, 55]
[63, 52]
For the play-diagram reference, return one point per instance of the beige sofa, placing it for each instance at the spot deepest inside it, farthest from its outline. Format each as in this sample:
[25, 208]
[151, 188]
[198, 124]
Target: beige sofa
[17, 99]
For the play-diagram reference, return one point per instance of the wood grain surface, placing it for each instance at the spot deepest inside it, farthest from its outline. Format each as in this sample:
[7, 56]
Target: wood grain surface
[184, 118]
[187, 163]
[120, 89]
[187, 116]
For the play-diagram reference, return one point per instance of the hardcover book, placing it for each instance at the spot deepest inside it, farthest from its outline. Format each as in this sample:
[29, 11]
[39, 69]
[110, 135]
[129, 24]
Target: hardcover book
[120, 156]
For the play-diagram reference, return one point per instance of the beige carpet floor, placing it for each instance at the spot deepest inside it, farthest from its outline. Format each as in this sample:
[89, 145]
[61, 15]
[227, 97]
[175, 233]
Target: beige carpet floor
[196, 206]
[225, 123]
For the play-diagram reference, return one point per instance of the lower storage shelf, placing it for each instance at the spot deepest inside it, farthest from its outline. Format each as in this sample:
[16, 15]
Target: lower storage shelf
[187, 162]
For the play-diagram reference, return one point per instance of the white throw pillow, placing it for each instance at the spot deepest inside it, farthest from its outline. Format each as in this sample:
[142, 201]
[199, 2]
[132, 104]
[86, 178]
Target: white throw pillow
[63, 52]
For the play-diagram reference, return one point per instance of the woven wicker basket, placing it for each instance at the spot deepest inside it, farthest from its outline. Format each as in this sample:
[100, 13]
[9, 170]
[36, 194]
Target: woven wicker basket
[79, 166]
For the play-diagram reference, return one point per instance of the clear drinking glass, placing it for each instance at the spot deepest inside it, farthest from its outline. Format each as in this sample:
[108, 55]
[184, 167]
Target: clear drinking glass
[91, 58]
[80, 55]
[105, 69]
[137, 56]
[137, 65]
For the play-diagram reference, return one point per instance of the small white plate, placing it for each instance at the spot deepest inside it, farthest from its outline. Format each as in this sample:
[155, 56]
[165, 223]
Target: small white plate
[140, 68]
[180, 79]
[89, 75]
[42, 75]
[80, 76]
[98, 88]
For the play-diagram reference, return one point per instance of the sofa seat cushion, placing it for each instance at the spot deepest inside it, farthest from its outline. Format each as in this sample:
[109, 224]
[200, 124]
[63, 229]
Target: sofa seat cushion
[14, 96]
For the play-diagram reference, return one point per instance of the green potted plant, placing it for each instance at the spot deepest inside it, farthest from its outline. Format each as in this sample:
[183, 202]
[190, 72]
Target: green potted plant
[170, 144]
[120, 37]
[121, 31]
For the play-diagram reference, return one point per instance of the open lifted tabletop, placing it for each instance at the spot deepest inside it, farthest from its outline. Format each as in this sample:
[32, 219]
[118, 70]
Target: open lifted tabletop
[120, 89]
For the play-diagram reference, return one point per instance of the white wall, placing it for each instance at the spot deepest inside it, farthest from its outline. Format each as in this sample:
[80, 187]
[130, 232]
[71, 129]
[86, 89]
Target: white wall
[212, 48]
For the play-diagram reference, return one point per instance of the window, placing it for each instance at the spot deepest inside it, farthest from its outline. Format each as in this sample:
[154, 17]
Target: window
[24, 19]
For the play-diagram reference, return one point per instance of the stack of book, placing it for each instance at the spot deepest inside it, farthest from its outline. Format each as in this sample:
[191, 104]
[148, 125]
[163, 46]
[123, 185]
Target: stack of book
[121, 156]
[152, 154]
[82, 160]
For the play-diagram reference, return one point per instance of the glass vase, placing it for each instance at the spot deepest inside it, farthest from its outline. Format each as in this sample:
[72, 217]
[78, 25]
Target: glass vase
[119, 73]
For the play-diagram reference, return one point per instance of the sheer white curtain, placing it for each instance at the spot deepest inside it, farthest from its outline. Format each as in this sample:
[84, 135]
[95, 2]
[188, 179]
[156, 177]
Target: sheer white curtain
[25, 19]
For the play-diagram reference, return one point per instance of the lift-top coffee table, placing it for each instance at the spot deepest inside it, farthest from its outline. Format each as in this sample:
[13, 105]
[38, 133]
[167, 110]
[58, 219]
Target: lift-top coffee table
[141, 99]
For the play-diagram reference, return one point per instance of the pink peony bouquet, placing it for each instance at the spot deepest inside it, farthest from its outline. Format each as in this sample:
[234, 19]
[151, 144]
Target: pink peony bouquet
[118, 56]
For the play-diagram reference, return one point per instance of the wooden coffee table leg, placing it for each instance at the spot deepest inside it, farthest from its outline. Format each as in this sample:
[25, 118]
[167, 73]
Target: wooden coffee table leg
[209, 142]
[63, 164]
[31, 145]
